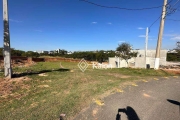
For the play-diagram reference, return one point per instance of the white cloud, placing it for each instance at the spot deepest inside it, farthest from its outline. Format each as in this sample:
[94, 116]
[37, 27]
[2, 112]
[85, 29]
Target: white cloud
[109, 23]
[94, 22]
[143, 36]
[17, 21]
[175, 38]
[140, 28]
[121, 41]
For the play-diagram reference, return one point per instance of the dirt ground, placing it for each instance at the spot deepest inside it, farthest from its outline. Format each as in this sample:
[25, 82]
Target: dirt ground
[18, 63]
[174, 71]
[8, 86]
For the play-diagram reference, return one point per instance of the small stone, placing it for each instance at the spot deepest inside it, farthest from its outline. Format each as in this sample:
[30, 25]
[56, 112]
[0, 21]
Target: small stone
[62, 116]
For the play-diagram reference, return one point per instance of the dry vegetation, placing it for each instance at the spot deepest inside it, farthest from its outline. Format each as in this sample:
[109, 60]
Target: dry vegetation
[46, 90]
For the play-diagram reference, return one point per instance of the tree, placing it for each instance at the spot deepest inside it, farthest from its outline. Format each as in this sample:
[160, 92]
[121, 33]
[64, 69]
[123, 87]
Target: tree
[32, 54]
[17, 52]
[124, 51]
[178, 46]
[62, 52]
[174, 56]
[101, 56]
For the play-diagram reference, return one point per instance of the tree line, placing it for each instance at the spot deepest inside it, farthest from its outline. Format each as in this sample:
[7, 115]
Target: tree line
[123, 50]
[100, 56]
[173, 56]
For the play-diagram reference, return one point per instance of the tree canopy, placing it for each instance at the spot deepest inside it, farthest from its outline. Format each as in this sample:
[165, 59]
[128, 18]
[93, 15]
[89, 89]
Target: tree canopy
[124, 51]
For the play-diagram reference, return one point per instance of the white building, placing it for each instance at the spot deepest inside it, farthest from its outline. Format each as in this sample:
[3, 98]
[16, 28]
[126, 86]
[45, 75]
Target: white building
[140, 61]
[172, 51]
[41, 51]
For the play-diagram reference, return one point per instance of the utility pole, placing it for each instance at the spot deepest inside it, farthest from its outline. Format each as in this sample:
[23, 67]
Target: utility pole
[146, 45]
[158, 48]
[7, 49]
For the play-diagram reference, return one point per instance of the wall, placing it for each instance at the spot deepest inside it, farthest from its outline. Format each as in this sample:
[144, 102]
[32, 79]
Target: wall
[14, 58]
[139, 61]
[112, 61]
[122, 63]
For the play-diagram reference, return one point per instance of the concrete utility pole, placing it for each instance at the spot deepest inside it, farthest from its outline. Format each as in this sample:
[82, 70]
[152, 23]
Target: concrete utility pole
[146, 45]
[158, 48]
[7, 49]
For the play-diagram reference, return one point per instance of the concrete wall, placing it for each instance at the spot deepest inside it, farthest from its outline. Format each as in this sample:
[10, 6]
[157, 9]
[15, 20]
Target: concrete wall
[151, 53]
[112, 61]
[131, 62]
[122, 63]
[139, 61]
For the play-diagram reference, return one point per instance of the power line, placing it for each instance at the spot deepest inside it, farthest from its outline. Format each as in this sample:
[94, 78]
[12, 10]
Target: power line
[111, 7]
[154, 22]
[176, 2]
[161, 14]
[172, 10]
[158, 19]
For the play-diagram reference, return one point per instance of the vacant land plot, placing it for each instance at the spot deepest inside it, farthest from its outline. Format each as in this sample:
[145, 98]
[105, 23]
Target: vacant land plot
[48, 89]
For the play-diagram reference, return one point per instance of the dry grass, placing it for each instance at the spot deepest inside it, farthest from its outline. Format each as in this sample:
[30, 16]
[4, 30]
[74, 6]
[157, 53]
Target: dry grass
[48, 90]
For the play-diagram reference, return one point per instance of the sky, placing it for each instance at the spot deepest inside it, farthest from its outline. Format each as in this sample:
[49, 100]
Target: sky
[75, 25]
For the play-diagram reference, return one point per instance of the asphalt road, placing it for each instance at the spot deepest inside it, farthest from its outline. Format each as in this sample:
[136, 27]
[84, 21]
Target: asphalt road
[152, 100]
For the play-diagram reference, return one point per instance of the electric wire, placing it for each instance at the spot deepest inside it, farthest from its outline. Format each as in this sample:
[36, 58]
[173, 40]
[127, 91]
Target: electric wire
[176, 2]
[173, 10]
[120, 7]
[155, 21]
[167, 5]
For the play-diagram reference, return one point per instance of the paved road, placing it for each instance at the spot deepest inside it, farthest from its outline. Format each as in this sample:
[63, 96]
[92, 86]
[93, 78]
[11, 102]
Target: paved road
[152, 100]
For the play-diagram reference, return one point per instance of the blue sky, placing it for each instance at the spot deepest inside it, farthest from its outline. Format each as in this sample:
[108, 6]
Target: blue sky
[76, 25]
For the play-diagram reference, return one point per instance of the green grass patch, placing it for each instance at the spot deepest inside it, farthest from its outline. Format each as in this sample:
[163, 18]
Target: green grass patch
[62, 90]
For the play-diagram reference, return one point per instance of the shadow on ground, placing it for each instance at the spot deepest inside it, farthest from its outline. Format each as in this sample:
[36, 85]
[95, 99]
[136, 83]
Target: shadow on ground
[175, 103]
[130, 113]
[38, 72]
